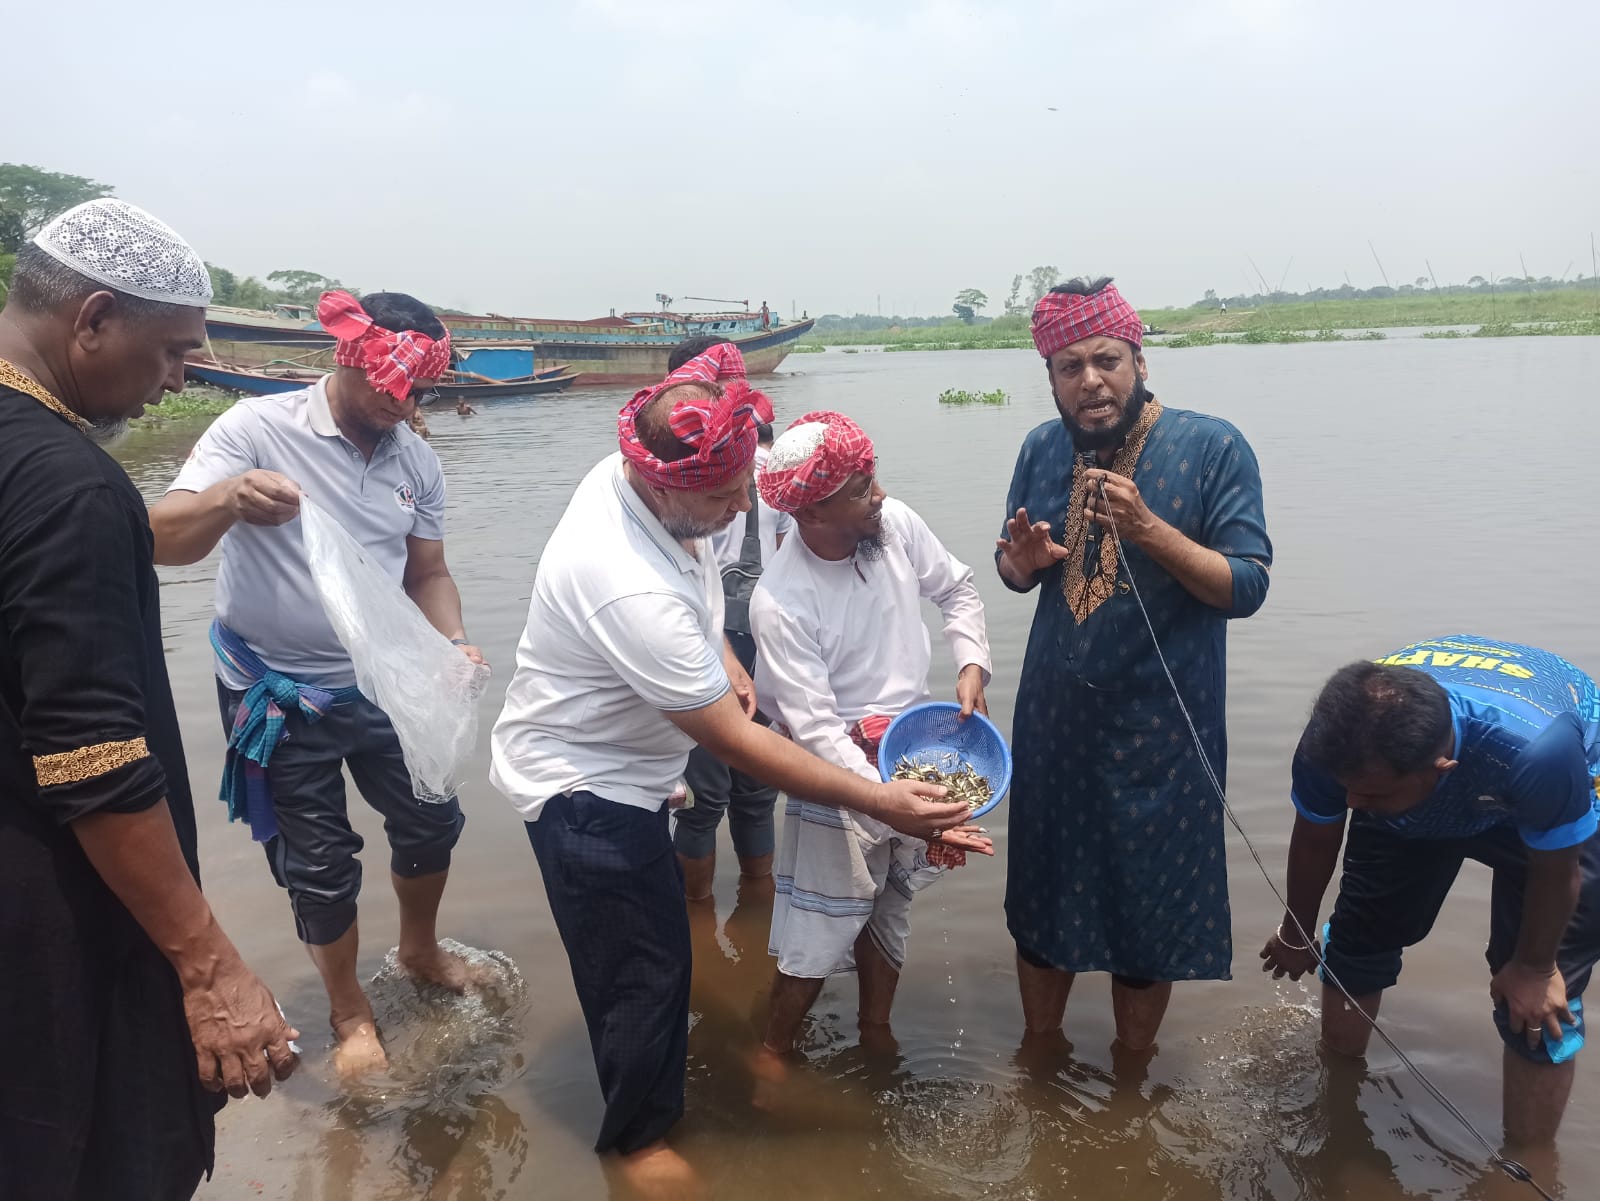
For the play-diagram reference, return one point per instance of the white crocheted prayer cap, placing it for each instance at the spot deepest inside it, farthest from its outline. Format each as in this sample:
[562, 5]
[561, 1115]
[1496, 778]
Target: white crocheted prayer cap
[796, 445]
[123, 247]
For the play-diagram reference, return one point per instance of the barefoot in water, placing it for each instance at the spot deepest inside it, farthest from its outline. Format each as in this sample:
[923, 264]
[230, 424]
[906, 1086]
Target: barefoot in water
[435, 965]
[771, 1072]
[359, 1052]
[658, 1173]
[878, 1040]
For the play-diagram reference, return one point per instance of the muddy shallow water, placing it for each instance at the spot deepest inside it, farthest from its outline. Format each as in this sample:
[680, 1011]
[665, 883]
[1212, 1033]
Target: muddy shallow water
[1413, 488]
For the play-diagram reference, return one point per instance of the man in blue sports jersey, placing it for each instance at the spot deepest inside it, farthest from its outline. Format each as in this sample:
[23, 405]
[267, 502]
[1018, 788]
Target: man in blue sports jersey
[1452, 749]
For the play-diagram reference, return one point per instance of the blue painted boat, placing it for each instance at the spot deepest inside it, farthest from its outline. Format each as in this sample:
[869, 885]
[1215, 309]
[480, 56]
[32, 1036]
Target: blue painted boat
[272, 381]
[251, 383]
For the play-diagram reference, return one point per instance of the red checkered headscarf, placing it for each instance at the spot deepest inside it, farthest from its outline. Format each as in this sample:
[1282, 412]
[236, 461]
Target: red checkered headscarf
[1060, 319]
[813, 459]
[393, 361]
[721, 430]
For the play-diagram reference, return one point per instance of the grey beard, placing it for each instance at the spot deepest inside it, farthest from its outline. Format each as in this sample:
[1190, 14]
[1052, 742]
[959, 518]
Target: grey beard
[106, 434]
[870, 548]
[688, 527]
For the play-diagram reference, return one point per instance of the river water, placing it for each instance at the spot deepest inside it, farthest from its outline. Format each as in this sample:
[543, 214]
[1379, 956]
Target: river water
[1413, 488]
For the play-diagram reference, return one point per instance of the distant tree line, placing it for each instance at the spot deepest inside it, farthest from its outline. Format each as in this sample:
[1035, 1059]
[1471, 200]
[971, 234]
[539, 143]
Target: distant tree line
[968, 307]
[1477, 285]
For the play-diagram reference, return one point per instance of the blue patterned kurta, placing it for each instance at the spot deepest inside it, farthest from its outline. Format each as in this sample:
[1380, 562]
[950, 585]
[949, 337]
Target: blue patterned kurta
[1116, 860]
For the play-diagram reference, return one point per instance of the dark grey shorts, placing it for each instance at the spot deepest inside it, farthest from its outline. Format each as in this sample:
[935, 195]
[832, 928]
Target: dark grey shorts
[314, 853]
[1393, 888]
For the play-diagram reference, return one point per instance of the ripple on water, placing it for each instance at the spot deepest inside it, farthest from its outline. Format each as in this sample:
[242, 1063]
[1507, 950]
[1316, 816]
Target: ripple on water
[1257, 1107]
[958, 1138]
[444, 1047]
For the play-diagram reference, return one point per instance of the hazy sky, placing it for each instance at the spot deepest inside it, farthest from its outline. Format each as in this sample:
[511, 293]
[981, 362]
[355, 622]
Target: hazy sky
[564, 158]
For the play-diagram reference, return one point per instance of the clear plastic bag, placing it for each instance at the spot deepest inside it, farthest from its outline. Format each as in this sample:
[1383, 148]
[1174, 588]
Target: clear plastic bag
[423, 682]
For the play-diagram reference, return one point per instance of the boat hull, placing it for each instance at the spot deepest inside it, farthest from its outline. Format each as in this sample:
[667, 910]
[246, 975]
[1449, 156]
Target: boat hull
[537, 386]
[248, 382]
[597, 364]
[253, 383]
[607, 364]
[280, 334]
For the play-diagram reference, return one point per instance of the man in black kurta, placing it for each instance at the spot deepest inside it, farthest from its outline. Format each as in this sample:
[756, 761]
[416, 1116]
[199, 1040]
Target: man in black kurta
[124, 1008]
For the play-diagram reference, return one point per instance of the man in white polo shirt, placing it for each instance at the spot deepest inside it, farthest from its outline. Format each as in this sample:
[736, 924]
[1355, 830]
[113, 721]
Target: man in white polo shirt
[285, 683]
[622, 668]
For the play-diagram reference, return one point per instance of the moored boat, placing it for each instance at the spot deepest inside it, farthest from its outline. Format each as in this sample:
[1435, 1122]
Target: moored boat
[628, 350]
[251, 383]
[631, 349]
[271, 381]
[553, 379]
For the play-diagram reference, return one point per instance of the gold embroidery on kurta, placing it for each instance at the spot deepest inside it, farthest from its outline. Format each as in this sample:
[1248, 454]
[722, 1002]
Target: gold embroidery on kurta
[12, 377]
[85, 763]
[1085, 591]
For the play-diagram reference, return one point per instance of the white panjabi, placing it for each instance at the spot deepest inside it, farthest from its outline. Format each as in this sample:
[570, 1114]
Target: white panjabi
[123, 247]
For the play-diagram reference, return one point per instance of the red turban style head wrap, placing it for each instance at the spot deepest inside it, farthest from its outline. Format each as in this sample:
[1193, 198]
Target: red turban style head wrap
[1061, 318]
[762, 407]
[721, 430]
[813, 459]
[393, 361]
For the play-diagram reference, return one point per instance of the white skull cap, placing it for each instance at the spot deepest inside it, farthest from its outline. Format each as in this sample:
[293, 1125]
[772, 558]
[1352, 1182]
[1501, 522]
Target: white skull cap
[123, 247]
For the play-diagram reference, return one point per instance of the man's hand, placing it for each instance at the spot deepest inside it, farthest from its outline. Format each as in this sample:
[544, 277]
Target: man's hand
[969, 691]
[261, 497]
[470, 651]
[241, 1041]
[1027, 548]
[744, 689]
[1281, 959]
[1535, 1000]
[968, 837]
[914, 808]
[1121, 506]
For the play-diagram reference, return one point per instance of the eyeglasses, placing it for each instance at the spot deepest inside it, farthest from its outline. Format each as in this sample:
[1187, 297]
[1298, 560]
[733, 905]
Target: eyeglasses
[426, 398]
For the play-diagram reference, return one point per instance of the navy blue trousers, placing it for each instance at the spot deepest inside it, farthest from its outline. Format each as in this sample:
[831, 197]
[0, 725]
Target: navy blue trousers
[616, 893]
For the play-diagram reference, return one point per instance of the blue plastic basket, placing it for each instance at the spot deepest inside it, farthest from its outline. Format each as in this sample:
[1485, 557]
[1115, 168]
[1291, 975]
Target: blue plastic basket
[934, 735]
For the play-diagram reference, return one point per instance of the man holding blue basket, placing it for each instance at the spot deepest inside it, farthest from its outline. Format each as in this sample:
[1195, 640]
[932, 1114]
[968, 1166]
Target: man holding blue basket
[841, 651]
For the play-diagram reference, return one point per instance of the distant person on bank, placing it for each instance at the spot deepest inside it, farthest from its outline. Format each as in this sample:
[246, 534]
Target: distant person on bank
[1116, 860]
[126, 1009]
[742, 548]
[622, 668]
[285, 684]
[1452, 749]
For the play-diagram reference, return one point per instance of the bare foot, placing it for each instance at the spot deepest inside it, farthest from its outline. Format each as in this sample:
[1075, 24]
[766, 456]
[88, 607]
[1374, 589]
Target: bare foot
[435, 965]
[878, 1040]
[771, 1072]
[359, 1052]
[802, 1099]
[658, 1173]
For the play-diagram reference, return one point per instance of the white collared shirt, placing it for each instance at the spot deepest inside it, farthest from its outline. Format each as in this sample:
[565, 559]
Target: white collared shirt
[837, 641]
[624, 626]
[264, 589]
